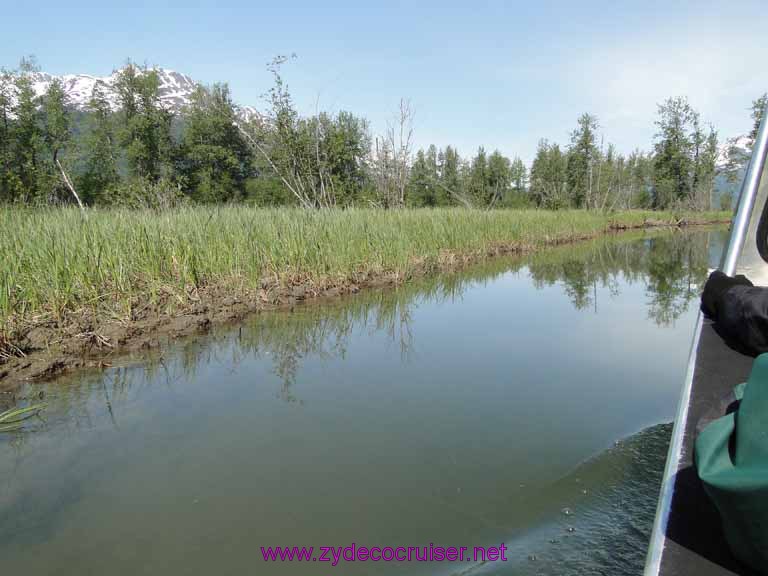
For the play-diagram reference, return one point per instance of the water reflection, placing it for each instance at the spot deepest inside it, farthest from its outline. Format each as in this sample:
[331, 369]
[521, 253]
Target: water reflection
[454, 409]
[671, 265]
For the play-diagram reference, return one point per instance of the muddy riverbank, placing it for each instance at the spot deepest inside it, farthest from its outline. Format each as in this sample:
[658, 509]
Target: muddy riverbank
[84, 338]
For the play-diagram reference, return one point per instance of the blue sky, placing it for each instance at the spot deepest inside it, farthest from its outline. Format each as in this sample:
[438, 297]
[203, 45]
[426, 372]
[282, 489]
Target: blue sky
[498, 74]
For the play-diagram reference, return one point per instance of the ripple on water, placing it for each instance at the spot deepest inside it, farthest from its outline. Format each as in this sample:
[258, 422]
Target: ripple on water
[601, 529]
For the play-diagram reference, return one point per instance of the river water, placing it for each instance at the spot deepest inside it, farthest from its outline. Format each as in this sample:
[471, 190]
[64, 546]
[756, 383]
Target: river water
[523, 401]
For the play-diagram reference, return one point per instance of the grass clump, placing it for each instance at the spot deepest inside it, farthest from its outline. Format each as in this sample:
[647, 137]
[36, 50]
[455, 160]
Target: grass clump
[13, 419]
[53, 262]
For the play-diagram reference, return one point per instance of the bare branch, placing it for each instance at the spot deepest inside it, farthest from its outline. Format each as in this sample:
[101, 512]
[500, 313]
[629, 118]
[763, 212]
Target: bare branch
[68, 182]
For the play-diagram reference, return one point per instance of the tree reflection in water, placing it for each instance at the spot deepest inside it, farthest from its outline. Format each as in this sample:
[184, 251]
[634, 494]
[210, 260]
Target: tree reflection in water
[672, 266]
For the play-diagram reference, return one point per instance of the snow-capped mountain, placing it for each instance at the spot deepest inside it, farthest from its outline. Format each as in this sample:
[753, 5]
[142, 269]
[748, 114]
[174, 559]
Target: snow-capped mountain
[175, 89]
[732, 159]
[738, 148]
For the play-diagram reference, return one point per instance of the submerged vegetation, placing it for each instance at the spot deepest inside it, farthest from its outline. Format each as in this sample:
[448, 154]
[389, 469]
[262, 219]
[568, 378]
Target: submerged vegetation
[14, 418]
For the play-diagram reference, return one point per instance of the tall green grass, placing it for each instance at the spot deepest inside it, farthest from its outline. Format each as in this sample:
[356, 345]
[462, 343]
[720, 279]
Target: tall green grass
[53, 261]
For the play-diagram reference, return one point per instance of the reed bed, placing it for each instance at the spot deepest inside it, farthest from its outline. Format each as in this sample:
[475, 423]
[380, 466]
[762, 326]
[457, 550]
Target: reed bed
[53, 261]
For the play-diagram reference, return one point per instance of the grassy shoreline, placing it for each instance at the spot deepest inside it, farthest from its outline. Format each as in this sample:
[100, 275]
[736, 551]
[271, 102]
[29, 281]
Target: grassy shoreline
[69, 286]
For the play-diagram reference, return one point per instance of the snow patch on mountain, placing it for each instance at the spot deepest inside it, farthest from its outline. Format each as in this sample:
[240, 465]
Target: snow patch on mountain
[738, 148]
[175, 89]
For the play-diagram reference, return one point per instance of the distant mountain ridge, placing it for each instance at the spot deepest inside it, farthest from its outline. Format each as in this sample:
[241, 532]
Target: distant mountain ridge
[738, 147]
[731, 164]
[175, 90]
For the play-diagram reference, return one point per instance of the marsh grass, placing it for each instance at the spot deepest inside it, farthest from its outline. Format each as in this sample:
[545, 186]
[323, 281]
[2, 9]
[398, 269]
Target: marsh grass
[54, 262]
[13, 419]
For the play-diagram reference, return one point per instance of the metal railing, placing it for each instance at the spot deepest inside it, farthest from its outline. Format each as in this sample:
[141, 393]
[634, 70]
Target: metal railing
[740, 255]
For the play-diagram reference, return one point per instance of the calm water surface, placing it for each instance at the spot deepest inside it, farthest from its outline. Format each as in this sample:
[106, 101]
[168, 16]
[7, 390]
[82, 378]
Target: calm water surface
[522, 401]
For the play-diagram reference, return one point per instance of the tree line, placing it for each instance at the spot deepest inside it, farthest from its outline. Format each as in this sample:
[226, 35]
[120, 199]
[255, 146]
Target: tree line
[143, 154]
[678, 173]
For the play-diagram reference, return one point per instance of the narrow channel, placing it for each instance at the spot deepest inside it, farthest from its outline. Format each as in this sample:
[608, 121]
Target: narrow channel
[523, 401]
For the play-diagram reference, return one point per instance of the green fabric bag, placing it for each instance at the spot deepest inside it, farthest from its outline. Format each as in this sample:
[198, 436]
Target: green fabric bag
[731, 456]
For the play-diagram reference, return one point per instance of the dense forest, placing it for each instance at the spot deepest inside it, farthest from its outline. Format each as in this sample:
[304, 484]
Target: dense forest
[145, 155]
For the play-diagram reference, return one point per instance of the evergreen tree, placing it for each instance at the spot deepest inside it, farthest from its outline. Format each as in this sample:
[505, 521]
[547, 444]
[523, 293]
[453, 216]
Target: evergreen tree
[684, 162]
[582, 157]
[706, 170]
[450, 181]
[430, 158]
[549, 185]
[419, 182]
[674, 149]
[499, 178]
[478, 179]
[435, 195]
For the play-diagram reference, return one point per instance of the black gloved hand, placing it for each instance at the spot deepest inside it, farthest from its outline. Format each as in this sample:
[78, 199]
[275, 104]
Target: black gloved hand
[718, 284]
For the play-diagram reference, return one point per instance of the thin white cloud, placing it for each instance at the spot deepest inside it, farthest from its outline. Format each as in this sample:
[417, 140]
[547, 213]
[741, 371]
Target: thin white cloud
[719, 68]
